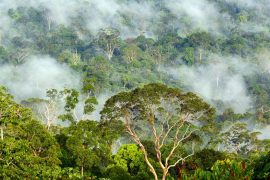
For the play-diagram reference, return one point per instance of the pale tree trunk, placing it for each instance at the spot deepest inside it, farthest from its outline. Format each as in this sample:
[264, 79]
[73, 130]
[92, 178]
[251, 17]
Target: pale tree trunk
[75, 115]
[133, 54]
[109, 55]
[49, 20]
[48, 114]
[138, 141]
[142, 26]
[82, 171]
[49, 123]
[21, 56]
[159, 142]
[110, 50]
[2, 132]
[148, 162]
[165, 173]
[161, 138]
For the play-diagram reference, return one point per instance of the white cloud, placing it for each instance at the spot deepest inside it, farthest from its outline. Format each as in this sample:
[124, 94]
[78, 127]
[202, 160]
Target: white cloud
[37, 75]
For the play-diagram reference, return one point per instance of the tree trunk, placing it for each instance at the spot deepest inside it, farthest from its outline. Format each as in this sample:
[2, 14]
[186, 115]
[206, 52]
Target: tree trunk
[110, 50]
[165, 173]
[137, 140]
[82, 171]
[155, 175]
[49, 24]
[2, 133]
[49, 122]
[75, 115]
[148, 162]
[110, 54]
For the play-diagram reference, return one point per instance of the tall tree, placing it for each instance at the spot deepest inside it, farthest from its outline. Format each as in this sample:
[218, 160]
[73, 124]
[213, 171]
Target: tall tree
[89, 144]
[201, 41]
[47, 109]
[160, 113]
[27, 149]
[108, 39]
[236, 138]
[10, 112]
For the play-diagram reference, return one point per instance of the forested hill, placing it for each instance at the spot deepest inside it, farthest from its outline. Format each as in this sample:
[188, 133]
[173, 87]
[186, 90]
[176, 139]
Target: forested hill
[134, 89]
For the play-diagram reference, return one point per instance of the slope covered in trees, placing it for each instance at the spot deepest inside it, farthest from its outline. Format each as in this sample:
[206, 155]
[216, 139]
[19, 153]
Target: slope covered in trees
[126, 89]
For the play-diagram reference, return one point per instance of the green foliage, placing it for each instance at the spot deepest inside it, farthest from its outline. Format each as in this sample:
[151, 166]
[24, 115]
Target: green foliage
[108, 39]
[206, 158]
[131, 159]
[70, 58]
[225, 170]
[98, 71]
[87, 147]
[116, 172]
[131, 53]
[60, 39]
[201, 39]
[28, 150]
[129, 163]
[10, 111]
[142, 99]
[188, 55]
[236, 138]
[262, 167]
[158, 113]
[87, 144]
[89, 105]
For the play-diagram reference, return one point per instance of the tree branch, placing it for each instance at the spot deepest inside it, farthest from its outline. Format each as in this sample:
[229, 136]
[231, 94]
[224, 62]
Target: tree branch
[138, 141]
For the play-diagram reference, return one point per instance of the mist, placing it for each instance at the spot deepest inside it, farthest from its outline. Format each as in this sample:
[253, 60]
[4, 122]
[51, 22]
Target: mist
[102, 98]
[37, 75]
[214, 82]
[218, 49]
[96, 14]
[146, 17]
[222, 80]
[221, 83]
[264, 133]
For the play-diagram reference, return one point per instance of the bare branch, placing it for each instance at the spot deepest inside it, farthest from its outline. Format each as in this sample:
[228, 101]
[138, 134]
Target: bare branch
[181, 159]
[185, 137]
[138, 141]
[177, 142]
[166, 135]
[157, 146]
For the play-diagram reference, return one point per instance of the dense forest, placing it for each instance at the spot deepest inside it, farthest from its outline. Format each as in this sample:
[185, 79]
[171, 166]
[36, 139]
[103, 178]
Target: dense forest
[135, 89]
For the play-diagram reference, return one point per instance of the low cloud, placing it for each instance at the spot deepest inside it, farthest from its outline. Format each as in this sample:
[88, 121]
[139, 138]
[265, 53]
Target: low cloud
[220, 81]
[37, 75]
